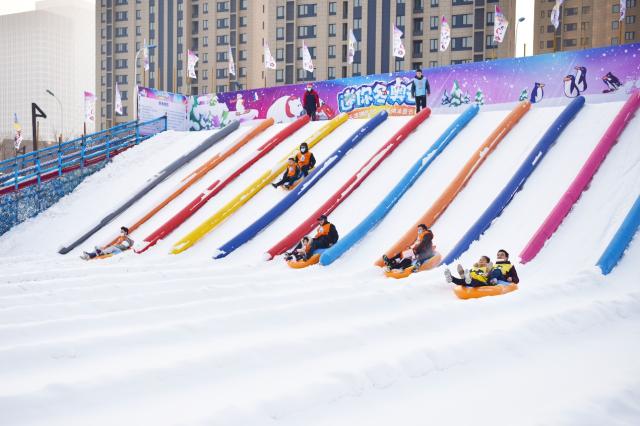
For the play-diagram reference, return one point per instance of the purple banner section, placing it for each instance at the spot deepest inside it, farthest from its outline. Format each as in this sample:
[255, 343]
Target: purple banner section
[601, 74]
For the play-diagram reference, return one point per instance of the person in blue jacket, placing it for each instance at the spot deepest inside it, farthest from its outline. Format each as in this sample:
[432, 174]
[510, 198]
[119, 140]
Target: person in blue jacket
[419, 90]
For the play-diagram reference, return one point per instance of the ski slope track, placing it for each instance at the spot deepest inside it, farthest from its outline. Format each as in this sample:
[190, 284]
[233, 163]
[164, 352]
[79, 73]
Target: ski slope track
[158, 339]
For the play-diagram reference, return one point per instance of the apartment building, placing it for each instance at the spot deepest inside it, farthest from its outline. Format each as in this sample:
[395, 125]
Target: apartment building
[584, 24]
[210, 28]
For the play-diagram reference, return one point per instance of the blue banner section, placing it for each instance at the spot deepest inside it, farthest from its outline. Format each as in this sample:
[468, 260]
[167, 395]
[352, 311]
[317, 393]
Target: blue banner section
[302, 188]
[401, 187]
[519, 178]
[614, 251]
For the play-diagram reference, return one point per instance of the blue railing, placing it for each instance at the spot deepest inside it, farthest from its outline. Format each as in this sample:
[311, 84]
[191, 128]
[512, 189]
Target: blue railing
[79, 152]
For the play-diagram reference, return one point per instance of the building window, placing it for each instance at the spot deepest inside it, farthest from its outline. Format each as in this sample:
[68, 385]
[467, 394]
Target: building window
[121, 31]
[570, 27]
[331, 73]
[461, 43]
[280, 33]
[433, 64]
[221, 57]
[138, 14]
[570, 11]
[121, 16]
[222, 40]
[205, 24]
[400, 21]
[417, 48]
[631, 3]
[243, 21]
[461, 21]
[205, 40]
[121, 47]
[460, 61]
[490, 18]
[138, 30]
[629, 35]
[433, 45]
[332, 51]
[333, 8]
[203, 56]
[614, 8]
[332, 30]
[433, 22]
[243, 38]
[221, 73]
[615, 25]
[205, 74]
[489, 42]
[280, 12]
[243, 55]
[306, 10]
[243, 4]
[586, 10]
[222, 6]
[307, 31]
[435, 3]
[205, 9]
[279, 76]
[630, 19]
[357, 24]
[571, 42]
[222, 23]
[312, 52]
[122, 79]
[279, 54]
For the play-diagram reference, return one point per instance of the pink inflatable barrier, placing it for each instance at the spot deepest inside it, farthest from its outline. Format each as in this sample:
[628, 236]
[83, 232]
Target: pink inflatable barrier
[581, 181]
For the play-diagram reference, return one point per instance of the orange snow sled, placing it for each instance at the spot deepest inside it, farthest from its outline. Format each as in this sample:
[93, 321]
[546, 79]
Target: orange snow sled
[464, 292]
[429, 264]
[299, 264]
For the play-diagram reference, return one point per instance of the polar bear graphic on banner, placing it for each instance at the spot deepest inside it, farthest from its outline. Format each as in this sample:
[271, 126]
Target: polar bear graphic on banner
[286, 109]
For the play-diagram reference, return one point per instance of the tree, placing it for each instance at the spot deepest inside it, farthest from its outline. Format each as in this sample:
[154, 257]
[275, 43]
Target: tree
[479, 97]
[445, 98]
[524, 95]
[456, 95]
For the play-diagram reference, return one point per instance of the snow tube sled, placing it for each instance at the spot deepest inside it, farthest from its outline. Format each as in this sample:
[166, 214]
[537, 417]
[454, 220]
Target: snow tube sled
[287, 189]
[464, 292]
[105, 256]
[431, 263]
[299, 264]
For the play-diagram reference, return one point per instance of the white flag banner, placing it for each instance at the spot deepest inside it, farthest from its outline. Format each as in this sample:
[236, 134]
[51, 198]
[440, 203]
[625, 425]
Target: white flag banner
[307, 63]
[445, 35]
[118, 103]
[145, 55]
[232, 65]
[191, 63]
[623, 9]
[500, 25]
[555, 14]
[89, 107]
[398, 47]
[269, 62]
[351, 49]
[17, 139]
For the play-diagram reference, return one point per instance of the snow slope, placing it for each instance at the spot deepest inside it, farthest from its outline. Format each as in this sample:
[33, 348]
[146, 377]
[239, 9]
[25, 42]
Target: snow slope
[184, 340]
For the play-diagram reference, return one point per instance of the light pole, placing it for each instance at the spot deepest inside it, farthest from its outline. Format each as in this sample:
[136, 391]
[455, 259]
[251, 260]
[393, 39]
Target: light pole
[525, 45]
[59, 103]
[135, 80]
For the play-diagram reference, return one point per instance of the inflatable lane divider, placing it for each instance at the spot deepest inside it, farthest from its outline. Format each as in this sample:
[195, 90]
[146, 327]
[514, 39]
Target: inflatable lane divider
[219, 184]
[201, 171]
[385, 206]
[582, 179]
[350, 185]
[461, 179]
[248, 193]
[305, 185]
[156, 180]
[621, 240]
[517, 181]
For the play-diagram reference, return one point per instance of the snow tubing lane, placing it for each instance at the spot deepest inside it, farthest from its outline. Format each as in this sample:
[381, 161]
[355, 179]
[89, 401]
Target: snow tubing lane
[461, 179]
[385, 206]
[616, 248]
[219, 184]
[155, 181]
[302, 188]
[582, 179]
[429, 264]
[464, 292]
[351, 185]
[228, 209]
[200, 172]
[517, 181]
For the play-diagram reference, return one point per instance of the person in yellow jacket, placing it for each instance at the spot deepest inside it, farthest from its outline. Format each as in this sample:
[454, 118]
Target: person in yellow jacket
[477, 276]
[503, 271]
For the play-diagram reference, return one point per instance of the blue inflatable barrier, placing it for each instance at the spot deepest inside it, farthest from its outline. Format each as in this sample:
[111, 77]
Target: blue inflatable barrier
[519, 178]
[304, 186]
[385, 206]
[614, 251]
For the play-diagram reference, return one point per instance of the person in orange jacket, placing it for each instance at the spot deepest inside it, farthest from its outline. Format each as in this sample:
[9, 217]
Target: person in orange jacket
[290, 175]
[306, 160]
[326, 235]
[418, 252]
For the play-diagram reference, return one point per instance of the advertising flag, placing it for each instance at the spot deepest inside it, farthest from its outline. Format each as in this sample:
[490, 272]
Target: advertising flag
[307, 63]
[623, 9]
[269, 62]
[118, 103]
[398, 47]
[232, 65]
[89, 107]
[191, 64]
[445, 35]
[500, 25]
[351, 50]
[145, 55]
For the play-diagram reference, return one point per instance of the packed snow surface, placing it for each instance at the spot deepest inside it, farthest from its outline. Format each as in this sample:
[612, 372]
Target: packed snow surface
[159, 339]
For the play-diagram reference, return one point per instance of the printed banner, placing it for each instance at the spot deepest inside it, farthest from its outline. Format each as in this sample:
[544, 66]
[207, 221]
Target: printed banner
[351, 49]
[145, 55]
[17, 138]
[154, 103]
[232, 65]
[89, 107]
[192, 59]
[307, 63]
[118, 103]
[445, 35]
[398, 47]
[623, 9]
[555, 15]
[269, 62]
[499, 26]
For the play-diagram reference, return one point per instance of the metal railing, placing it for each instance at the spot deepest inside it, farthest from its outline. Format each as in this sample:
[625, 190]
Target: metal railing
[76, 153]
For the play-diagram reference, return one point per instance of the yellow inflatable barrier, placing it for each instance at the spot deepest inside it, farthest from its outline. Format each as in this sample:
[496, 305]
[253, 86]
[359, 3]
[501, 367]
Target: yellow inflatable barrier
[239, 200]
[464, 292]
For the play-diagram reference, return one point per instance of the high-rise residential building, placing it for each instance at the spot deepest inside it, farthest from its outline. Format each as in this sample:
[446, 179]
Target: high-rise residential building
[49, 48]
[584, 24]
[210, 28]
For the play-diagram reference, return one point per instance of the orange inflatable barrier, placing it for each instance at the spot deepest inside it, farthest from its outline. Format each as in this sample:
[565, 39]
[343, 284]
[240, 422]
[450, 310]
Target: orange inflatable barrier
[201, 171]
[461, 179]
[429, 264]
[464, 292]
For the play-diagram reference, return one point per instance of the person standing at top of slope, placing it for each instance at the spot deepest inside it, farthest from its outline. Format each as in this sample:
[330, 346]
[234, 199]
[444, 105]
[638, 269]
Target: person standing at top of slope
[418, 252]
[306, 160]
[503, 270]
[419, 90]
[311, 101]
[122, 243]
